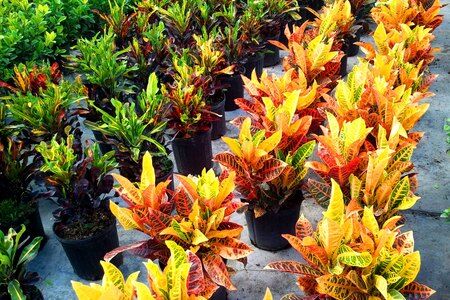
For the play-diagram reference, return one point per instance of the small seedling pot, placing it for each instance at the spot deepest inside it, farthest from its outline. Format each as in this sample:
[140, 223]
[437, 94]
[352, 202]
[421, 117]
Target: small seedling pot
[266, 231]
[85, 255]
[193, 154]
[272, 52]
[219, 126]
[254, 62]
[234, 89]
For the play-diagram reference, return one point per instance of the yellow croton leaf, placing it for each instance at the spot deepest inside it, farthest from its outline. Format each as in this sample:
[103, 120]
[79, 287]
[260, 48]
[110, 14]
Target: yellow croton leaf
[336, 207]
[124, 216]
[148, 172]
[268, 295]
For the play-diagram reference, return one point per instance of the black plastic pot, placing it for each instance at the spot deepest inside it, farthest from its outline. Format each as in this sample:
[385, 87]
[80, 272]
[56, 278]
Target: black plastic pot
[85, 255]
[219, 126]
[343, 70]
[234, 89]
[254, 62]
[194, 154]
[33, 224]
[265, 232]
[272, 52]
[220, 294]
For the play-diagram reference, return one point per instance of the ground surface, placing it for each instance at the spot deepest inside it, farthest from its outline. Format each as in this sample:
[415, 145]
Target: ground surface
[431, 233]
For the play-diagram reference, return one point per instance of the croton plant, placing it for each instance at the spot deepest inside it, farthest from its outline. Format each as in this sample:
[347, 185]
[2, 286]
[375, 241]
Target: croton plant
[201, 223]
[353, 257]
[267, 175]
[80, 182]
[178, 280]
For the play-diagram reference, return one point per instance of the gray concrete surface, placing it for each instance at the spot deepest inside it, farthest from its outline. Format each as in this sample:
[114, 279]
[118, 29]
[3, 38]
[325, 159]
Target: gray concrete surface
[431, 233]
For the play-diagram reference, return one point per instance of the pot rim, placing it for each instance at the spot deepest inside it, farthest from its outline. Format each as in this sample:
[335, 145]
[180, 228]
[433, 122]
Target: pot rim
[197, 134]
[88, 239]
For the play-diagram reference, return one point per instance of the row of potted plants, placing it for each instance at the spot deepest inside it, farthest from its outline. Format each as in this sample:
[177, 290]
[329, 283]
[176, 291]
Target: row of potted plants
[41, 118]
[366, 172]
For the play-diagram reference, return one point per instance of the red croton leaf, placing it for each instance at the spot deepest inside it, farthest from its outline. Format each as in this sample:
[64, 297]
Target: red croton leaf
[195, 280]
[217, 270]
[230, 161]
[230, 248]
[149, 249]
[417, 291]
[271, 169]
[158, 220]
[183, 203]
[303, 228]
[294, 267]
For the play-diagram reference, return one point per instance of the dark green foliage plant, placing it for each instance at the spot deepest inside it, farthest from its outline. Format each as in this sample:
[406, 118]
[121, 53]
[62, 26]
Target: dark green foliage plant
[15, 281]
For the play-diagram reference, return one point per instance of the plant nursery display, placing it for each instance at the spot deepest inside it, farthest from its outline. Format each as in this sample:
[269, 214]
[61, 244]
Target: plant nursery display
[15, 281]
[129, 137]
[201, 223]
[81, 185]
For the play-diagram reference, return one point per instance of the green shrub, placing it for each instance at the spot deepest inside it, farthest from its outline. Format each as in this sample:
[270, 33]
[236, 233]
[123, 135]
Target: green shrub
[32, 31]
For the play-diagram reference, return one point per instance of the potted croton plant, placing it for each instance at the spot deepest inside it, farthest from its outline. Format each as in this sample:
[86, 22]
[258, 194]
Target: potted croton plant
[276, 13]
[212, 63]
[374, 262]
[81, 185]
[181, 278]
[200, 223]
[189, 118]
[268, 176]
[15, 281]
[237, 49]
[134, 128]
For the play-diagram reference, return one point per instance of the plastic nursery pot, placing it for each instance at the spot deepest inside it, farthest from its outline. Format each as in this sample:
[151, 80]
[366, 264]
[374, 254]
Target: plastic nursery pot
[219, 126]
[254, 62]
[33, 224]
[272, 52]
[85, 255]
[193, 154]
[234, 89]
[220, 294]
[265, 232]
[343, 70]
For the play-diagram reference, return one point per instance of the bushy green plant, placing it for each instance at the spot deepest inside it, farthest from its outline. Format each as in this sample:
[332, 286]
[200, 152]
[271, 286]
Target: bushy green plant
[15, 281]
[44, 104]
[41, 29]
[103, 66]
[135, 128]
